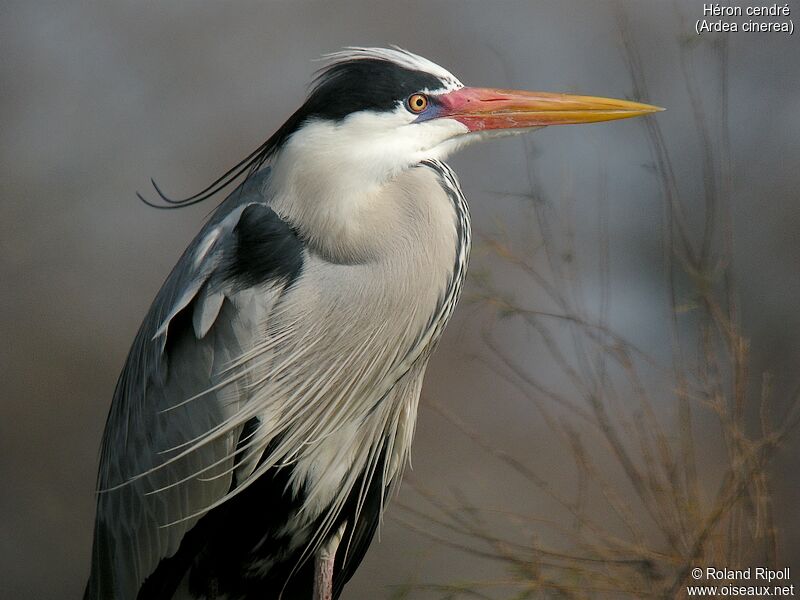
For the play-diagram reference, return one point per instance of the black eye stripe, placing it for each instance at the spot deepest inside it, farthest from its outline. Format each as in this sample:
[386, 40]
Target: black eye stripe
[365, 84]
[352, 86]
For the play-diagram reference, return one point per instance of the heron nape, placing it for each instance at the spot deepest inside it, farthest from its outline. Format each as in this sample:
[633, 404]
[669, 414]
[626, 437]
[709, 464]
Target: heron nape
[267, 406]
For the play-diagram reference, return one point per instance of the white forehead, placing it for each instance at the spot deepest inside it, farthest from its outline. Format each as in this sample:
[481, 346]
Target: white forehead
[400, 57]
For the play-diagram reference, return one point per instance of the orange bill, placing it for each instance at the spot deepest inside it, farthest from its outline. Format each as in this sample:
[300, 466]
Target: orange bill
[487, 108]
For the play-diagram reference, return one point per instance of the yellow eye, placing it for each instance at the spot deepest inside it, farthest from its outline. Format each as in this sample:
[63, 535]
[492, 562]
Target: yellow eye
[417, 103]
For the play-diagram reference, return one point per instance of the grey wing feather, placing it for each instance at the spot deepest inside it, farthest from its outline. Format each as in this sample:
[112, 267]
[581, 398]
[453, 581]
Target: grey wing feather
[197, 325]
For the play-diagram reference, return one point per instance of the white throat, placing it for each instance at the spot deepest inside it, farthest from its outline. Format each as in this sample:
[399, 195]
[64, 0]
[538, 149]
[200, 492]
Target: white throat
[334, 182]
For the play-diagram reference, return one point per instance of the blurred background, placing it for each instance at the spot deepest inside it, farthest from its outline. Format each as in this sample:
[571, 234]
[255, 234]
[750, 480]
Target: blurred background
[98, 97]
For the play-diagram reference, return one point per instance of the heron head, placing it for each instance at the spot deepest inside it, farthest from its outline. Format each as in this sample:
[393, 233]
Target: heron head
[378, 111]
[373, 114]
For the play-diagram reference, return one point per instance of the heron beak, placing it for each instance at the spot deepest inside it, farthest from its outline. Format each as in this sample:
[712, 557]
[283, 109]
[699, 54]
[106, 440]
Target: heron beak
[487, 108]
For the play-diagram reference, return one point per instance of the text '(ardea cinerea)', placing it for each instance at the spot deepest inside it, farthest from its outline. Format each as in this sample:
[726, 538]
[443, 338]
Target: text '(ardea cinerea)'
[267, 406]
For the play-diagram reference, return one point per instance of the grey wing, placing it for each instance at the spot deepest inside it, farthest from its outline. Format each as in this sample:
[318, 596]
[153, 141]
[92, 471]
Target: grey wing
[173, 390]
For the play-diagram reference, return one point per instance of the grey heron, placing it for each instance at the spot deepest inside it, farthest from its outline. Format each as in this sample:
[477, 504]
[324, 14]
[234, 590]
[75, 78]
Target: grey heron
[268, 403]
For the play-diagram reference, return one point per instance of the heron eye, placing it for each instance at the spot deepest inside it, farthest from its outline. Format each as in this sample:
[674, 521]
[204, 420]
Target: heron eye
[417, 103]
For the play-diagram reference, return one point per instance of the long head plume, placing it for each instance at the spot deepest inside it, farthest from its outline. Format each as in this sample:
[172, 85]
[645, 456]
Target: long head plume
[334, 67]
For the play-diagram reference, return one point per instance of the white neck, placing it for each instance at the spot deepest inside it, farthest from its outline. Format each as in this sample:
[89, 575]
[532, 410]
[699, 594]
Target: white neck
[333, 181]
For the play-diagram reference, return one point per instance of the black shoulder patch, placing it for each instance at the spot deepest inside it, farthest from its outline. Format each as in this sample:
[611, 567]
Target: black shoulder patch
[267, 248]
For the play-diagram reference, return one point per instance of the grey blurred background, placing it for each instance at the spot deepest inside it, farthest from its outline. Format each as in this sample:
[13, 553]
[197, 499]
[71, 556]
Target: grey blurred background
[97, 97]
